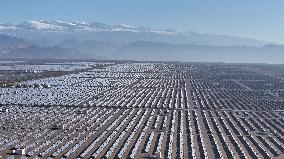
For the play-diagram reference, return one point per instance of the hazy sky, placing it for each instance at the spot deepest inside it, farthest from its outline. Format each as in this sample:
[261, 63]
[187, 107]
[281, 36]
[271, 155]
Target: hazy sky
[259, 19]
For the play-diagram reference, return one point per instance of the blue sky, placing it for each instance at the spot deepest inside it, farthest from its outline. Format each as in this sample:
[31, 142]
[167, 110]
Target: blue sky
[259, 19]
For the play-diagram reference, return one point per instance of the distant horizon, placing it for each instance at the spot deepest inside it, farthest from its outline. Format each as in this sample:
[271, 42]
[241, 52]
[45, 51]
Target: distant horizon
[256, 19]
[172, 29]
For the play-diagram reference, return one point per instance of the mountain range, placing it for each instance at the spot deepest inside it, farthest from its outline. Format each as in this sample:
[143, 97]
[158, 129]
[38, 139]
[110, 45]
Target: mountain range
[59, 39]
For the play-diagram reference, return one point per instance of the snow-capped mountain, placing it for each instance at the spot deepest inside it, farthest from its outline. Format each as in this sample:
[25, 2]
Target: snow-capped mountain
[7, 26]
[60, 39]
[61, 26]
[122, 33]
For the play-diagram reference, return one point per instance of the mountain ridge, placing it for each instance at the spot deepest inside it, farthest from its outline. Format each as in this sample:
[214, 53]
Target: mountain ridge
[44, 39]
[120, 30]
[13, 47]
